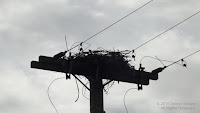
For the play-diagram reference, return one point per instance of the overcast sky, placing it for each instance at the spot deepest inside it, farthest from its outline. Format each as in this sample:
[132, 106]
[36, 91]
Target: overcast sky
[29, 28]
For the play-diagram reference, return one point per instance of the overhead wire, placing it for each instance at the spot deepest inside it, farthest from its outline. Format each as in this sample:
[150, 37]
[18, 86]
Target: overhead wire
[48, 92]
[183, 58]
[166, 31]
[112, 24]
[124, 99]
[184, 64]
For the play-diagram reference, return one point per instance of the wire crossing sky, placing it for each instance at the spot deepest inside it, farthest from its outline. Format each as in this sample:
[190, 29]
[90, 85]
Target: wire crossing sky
[167, 30]
[184, 58]
[134, 11]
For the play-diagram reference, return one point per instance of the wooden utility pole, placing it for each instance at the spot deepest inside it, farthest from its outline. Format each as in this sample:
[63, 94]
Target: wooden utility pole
[96, 96]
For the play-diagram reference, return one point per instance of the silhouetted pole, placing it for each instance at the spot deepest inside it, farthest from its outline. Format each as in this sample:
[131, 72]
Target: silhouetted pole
[96, 96]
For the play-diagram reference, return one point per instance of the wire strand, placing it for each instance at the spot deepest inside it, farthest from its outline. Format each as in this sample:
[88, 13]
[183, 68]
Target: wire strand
[166, 30]
[112, 24]
[77, 90]
[66, 43]
[48, 92]
[160, 61]
[157, 59]
[183, 58]
[125, 98]
[191, 54]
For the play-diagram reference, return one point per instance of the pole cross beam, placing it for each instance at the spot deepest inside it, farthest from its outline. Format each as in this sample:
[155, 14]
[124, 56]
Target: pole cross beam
[96, 67]
[112, 70]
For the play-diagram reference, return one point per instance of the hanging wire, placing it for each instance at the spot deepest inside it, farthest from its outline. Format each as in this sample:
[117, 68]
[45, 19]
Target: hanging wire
[166, 31]
[111, 24]
[48, 92]
[77, 90]
[160, 61]
[157, 59]
[125, 98]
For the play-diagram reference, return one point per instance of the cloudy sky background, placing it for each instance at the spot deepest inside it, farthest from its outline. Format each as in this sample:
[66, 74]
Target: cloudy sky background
[30, 28]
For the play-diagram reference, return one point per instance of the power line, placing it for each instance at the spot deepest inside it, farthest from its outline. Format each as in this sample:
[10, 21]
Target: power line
[191, 54]
[167, 30]
[111, 24]
[118, 21]
[176, 62]
[183, 58]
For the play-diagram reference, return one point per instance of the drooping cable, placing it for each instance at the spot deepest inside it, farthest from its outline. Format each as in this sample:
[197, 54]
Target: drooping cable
[160, 61]
[157, 59]
[166, 31]
[48, 92]
[112, 24]
[125, 98]
[77, 90]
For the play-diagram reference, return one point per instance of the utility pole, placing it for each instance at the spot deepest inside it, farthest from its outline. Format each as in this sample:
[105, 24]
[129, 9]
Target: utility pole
[95, 67]
[96, 96]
